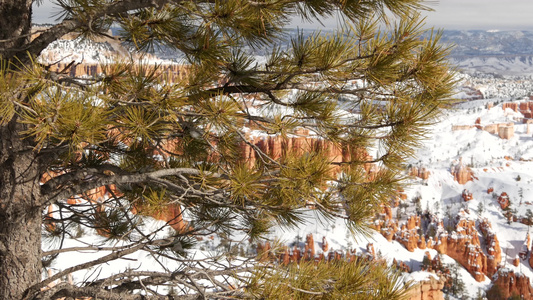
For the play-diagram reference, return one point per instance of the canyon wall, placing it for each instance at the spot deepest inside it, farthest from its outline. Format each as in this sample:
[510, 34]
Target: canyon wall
[430, 289]
[507, 284]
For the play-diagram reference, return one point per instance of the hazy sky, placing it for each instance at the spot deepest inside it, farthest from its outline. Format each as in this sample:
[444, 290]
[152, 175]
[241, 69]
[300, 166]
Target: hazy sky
[482, 14]
[448, 14]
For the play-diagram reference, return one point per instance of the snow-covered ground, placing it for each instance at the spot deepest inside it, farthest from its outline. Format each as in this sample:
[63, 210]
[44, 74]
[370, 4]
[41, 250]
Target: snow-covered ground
[497, 163]
[501, 164]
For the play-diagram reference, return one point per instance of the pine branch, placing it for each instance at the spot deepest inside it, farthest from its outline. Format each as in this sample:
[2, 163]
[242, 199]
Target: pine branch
[50, 195]
[112, 256]
[115, 8]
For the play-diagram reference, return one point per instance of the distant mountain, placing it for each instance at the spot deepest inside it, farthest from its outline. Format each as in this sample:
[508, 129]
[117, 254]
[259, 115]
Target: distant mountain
[474, 51]
[480, 43]
[499, 52]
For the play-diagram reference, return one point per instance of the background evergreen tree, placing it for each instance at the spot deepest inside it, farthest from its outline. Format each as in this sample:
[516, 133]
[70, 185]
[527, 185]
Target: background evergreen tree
[153, 146]
[455, 285]
[529, 217]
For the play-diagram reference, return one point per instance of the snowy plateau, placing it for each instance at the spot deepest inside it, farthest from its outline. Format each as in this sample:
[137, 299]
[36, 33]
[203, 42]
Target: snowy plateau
[469, 196]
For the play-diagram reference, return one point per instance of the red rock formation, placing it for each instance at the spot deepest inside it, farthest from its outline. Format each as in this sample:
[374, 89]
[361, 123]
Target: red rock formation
[466, 195]
[325, 245]
[263, 251]
[422, 243]
[170, 72]
[461, 173]
[422, 172]
[516, 261]
[506, 131]
[513, 106]
[503, 130]
[429, 289]
[491, 128]
[285, 257]
[503, 200]
[351, 256]
[320, 258]
[334, 255]
[408, 238]
[384, 223]
[296, 254]
[463, 245]
[507, 284]
[494, 252]
[277, 147]
[309, 251]
[525, 108]
[395, 202]
[413, 222]
[478, 123]
[389, 229]
[170, 214]
[386, 212]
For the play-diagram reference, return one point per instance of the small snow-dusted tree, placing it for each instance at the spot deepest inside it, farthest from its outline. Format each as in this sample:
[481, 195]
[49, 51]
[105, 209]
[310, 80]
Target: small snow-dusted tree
[426, 263]
[529, 217]
[455, 285]
[480, 208]
[480, 295]
[152, 145]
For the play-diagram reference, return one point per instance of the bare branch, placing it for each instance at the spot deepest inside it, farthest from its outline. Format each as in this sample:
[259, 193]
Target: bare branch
[112, 256]
[86, 248]
[115, 179]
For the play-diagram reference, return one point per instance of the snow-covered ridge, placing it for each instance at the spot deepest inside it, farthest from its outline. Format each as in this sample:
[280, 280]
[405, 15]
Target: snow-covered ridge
[94, 51]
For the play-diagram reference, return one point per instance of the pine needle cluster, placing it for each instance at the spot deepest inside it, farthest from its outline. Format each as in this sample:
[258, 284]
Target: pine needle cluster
[128, 140]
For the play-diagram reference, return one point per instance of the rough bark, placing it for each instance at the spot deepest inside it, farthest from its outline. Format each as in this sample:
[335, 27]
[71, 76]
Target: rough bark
[15, 25]
[20, 214]
[20, 211]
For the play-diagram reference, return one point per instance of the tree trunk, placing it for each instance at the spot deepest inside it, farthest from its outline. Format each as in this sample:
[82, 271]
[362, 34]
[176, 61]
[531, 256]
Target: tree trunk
[20, 207]
[20, 214]
[15, 26]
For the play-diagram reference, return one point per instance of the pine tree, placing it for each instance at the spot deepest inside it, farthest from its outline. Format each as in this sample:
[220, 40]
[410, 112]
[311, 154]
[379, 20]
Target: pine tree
[151, 146]
[426, 263]
[455, 285]
[529, 217]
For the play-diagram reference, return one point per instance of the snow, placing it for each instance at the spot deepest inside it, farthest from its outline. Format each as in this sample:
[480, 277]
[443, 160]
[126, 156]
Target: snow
[86, 51]
[497, 163]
